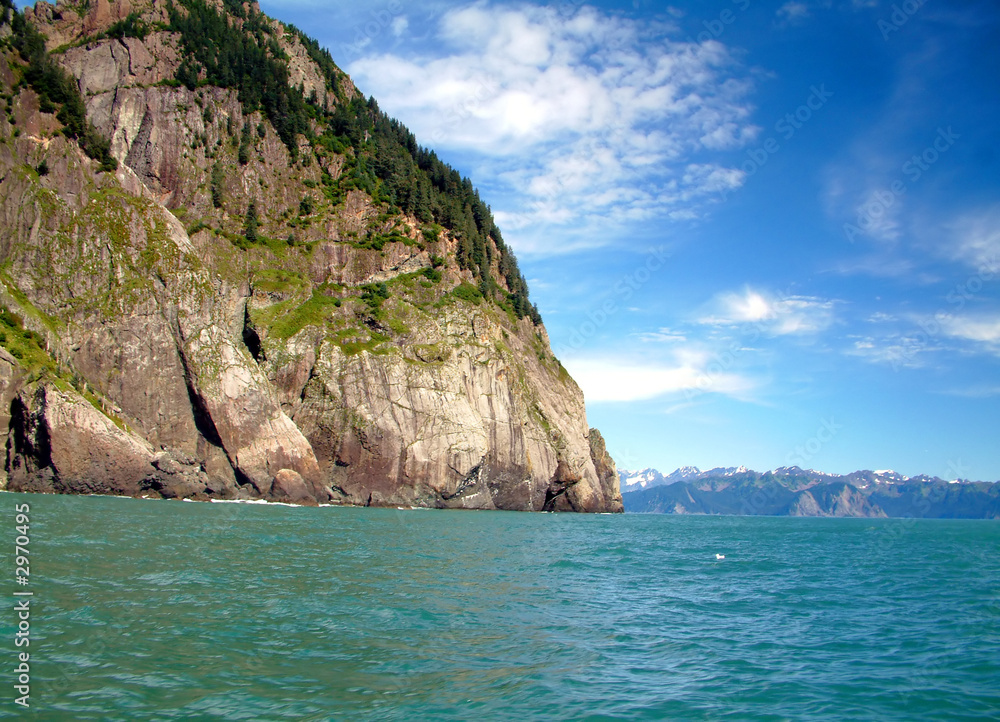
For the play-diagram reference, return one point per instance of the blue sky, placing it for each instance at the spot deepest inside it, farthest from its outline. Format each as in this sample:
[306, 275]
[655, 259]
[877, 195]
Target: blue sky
[759, 233]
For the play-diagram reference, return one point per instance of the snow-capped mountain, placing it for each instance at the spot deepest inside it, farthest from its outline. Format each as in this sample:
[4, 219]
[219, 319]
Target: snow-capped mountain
[882, 477]
[791, 475]
[794, 491]
[648, 478]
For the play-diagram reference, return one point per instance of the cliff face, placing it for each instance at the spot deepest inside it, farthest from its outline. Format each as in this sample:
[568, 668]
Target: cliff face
[336, 349]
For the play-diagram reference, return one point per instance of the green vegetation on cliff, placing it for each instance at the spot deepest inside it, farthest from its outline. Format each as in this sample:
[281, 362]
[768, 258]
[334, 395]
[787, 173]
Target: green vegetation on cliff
[25, 345]
[239, 50]
[246, 58]
[391, 166]
[57, 89]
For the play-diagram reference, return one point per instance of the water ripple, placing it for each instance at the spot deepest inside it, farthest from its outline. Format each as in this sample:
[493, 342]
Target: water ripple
[160, 610]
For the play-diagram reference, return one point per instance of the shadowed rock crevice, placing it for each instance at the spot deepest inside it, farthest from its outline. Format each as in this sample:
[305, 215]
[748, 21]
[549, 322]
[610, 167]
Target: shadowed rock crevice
[209, 434]
[251, 339]
[29, 447]
[471, 480]
[202, 418]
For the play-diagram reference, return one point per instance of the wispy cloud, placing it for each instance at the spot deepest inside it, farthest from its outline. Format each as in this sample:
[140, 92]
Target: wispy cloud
[897, 350]
[975, 392]
[859, 192]
[590, 120]
[777, 315]
[400, 25]
[980, 329]
[882, 264]
[919, 341]
[611, 379]
[663, 335]
[793, 12]
[974, 239]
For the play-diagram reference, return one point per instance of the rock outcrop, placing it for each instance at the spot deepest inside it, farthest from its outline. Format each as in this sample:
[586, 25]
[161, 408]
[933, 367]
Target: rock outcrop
[837, 500]
[607, 472]
[159, 350]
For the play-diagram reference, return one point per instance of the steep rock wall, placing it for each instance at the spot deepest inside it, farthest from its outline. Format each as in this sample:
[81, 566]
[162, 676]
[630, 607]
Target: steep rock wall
[200, 368]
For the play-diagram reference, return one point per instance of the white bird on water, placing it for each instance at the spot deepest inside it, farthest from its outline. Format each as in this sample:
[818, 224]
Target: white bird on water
[720, 556]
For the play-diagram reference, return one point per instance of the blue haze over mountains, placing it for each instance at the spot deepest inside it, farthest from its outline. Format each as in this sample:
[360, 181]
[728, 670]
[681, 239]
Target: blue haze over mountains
[793, 491]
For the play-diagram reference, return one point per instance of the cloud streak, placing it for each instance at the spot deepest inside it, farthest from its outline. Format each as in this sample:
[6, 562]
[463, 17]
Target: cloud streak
[609, 379]
[980, 329]
[775, 315]
[975, 239]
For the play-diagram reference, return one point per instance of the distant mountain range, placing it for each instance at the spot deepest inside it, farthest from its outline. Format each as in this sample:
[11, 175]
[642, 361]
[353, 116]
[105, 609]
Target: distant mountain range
[791, 491]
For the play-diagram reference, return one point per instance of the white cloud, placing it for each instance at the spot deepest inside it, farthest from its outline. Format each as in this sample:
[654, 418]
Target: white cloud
[777, 315]
[663, 335]
[974, 239]
[887, 264]
[590, 120]
[793, 12]
[400, 25]
[896, 350]
[979, 329]
[970, 238]
[619, 379]
[938, 334]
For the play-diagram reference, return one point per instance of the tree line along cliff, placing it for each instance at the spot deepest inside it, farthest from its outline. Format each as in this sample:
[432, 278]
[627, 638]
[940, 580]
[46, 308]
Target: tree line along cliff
[225, 273]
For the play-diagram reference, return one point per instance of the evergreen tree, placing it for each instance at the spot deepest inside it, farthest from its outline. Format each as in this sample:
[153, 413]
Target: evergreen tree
[218, 181]
[244, 152]
[250, 227]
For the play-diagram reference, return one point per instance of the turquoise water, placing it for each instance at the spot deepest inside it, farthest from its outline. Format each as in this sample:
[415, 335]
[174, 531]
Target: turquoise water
[168, 610]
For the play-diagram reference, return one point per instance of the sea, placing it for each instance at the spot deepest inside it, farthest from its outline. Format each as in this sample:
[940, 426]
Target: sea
[164, 610]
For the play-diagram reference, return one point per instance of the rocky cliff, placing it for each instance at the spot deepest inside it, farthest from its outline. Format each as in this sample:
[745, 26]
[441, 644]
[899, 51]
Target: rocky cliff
[277, 296]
